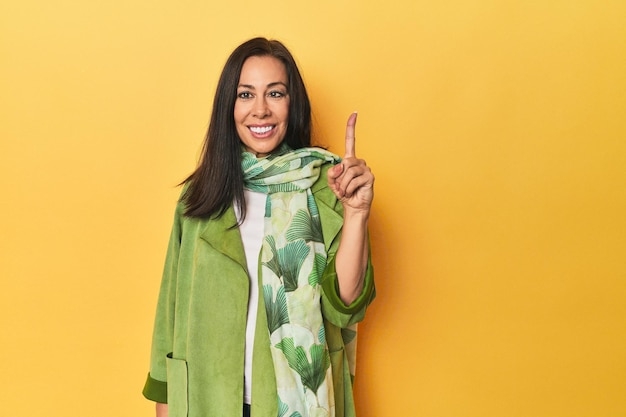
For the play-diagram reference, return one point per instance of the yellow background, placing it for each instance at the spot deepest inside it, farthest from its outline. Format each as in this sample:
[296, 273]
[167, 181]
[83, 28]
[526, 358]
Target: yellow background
[497, 133]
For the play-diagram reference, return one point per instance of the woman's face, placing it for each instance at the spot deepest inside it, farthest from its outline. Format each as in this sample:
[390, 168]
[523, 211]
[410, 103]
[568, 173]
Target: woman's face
[262, 104]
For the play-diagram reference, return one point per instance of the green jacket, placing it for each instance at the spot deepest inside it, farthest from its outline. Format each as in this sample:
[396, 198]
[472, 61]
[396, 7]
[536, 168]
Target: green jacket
[200, 327]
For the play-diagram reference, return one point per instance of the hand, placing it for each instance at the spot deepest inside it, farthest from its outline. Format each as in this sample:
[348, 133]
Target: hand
[161, 410]
[352, 181]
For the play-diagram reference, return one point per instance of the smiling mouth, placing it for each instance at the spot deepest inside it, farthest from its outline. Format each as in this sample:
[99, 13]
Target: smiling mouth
[261, 130]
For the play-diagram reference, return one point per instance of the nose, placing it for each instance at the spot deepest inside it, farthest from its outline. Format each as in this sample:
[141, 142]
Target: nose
[261, 108]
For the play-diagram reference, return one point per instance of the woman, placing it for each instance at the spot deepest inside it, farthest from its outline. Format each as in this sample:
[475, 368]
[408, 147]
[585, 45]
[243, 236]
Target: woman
[268, 268]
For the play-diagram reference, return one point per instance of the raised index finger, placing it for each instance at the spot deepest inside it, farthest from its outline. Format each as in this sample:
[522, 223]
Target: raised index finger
[350, 139]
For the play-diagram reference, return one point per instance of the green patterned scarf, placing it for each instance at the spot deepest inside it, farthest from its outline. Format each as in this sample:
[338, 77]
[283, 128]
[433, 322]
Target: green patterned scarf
[293, 258]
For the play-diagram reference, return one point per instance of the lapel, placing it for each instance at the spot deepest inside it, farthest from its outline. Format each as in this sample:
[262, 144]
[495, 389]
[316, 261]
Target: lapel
[224, 238]
[332, 222]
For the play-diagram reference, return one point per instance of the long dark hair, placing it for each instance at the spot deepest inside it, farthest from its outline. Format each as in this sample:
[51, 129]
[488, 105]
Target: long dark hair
[217, 182]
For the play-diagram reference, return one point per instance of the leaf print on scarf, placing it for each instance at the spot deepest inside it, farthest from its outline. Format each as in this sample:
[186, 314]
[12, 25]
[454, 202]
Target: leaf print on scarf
[249, 165]
[283, 408]
[285, 188]
[312, 207]
[290, 260]
[305, 227]
[321, 335]
[270, 171]
[320, 265]
[287, 262]
[276, 311]
[273, 263]
[311, 373]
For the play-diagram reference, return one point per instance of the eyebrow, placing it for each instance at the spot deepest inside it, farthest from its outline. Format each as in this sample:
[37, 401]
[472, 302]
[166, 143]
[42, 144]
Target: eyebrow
[270, 85]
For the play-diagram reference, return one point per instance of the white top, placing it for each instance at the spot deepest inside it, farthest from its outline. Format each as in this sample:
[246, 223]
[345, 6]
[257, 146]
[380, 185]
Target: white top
[252, 236]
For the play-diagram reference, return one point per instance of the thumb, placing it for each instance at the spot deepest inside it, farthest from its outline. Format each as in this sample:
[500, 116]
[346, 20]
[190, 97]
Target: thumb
[334, 173]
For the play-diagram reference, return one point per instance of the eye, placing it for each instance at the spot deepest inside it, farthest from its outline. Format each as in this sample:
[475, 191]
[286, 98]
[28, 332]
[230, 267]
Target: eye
[277, 94]
[244, 95]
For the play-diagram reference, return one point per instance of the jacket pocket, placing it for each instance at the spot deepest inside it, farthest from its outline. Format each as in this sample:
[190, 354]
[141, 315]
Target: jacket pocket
[177, 393]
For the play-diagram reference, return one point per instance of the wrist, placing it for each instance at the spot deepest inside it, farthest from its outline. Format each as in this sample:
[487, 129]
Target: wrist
[357, 215]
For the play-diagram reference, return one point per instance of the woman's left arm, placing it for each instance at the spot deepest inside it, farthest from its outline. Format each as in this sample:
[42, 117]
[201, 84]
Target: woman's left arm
[352, 182]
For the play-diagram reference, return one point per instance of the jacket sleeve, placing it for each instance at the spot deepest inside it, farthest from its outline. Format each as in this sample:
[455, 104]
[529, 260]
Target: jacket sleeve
[333, 308]
[155, 388]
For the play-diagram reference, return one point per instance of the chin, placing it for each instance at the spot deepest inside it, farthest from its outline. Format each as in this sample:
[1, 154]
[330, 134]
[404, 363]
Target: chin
[263, 150]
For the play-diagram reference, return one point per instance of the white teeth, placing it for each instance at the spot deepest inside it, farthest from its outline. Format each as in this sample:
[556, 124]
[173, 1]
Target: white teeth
[261, 130]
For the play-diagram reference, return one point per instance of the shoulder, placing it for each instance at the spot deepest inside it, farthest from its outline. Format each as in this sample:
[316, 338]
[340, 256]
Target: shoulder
[323, 195]
[320, 188]
[197, 223]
